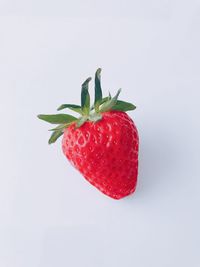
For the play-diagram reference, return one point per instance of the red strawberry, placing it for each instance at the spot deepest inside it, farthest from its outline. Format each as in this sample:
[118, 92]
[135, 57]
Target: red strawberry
[103, 143]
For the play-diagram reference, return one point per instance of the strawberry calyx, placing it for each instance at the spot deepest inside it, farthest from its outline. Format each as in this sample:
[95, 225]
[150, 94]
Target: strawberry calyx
[85, 110]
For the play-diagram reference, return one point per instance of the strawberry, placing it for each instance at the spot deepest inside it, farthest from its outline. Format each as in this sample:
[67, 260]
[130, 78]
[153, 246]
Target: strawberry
[102, 143]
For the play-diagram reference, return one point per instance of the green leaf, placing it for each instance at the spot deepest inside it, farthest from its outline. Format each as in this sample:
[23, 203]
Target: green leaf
[61, 127]
[57, 118]
[81, 121]
[73, 107]
[105, 99]
[102, 101]
[123, 106]
[98, 91]
[85, 97]
[95, 117]
[106, 106]
[55, 135]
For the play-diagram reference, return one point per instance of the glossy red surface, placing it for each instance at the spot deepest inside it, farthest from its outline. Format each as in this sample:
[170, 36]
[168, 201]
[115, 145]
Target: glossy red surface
[105, 152]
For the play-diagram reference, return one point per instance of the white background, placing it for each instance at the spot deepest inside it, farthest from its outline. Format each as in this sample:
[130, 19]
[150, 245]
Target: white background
[49, 215]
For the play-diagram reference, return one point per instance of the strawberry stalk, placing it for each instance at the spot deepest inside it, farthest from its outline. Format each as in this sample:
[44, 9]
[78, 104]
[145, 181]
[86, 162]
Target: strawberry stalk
[87, 113]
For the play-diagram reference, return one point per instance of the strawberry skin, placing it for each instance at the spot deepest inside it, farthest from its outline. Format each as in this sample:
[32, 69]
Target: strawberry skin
[105, 152]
